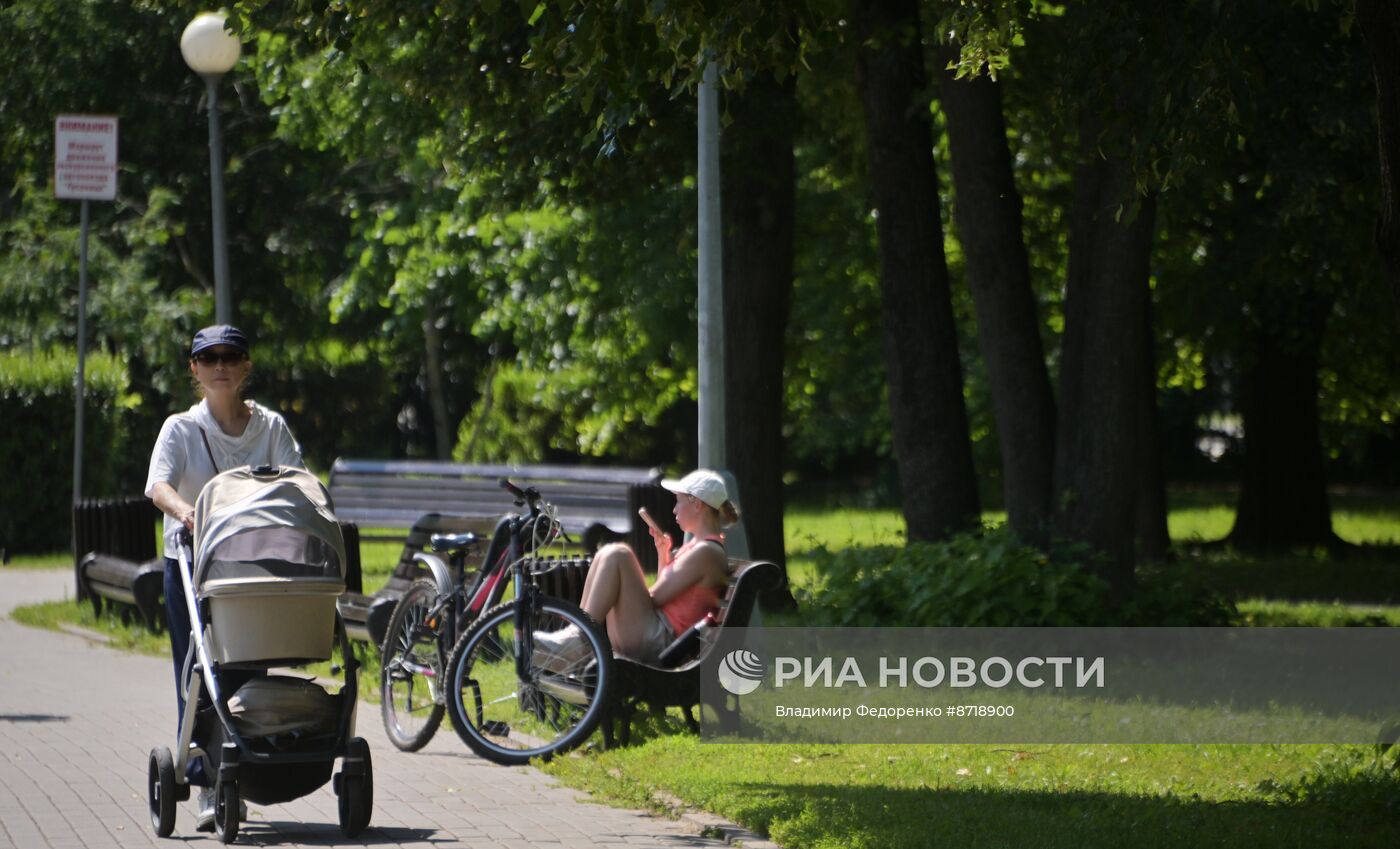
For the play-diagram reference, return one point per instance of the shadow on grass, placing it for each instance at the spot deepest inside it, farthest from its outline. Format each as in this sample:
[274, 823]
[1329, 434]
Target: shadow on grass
[1361, 574]
[1358, 810]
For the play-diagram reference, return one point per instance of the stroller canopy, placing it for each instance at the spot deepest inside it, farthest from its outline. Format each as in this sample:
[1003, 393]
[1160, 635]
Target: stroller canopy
[267, 530]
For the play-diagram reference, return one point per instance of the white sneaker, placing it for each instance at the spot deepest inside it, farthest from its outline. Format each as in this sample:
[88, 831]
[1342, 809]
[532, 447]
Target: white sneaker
[557, 651]
[204, 820]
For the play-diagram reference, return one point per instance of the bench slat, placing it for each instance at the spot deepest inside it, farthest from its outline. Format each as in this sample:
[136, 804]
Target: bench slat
[531, 474]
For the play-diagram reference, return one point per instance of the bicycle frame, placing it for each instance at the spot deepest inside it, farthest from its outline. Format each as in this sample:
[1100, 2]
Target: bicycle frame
[505, 556]
[526, 593]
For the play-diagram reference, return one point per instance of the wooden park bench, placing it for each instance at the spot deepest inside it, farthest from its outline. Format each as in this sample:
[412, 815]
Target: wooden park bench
[115, 557]
[367, 616]
[638, 683]
[596, 504]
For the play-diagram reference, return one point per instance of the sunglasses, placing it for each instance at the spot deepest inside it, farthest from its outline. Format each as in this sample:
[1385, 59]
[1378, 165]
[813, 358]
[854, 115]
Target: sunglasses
[209, 358]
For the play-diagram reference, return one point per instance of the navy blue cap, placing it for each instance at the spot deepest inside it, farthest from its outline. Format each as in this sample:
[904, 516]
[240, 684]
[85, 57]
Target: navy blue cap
[219, 334]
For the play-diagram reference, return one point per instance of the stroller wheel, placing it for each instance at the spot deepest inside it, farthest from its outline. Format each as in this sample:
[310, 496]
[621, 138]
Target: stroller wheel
[226, 811]
[160, 791]
[355, 784]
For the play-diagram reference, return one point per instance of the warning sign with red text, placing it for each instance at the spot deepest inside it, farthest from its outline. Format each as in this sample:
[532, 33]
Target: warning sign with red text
[85, 157]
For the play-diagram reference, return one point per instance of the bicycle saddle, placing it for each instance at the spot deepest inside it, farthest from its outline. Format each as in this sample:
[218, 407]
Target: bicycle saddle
[453, 542]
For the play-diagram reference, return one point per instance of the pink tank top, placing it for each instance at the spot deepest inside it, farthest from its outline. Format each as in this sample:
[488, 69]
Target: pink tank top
[692, 603]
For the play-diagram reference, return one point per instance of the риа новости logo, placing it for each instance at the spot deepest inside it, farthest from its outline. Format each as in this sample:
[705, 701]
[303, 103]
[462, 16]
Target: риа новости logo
[740, 672]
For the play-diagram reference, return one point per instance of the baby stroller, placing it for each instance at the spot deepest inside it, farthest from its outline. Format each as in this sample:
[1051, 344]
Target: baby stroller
[261, 589]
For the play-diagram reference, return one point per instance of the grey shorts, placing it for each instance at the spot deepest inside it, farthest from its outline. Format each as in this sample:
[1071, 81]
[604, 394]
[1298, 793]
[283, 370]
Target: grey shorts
[658, 636]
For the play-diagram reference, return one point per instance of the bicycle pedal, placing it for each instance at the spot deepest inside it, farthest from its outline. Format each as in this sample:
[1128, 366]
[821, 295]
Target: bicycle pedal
[496, 728]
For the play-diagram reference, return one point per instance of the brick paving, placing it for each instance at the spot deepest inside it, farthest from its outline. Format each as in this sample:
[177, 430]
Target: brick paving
[77, 721]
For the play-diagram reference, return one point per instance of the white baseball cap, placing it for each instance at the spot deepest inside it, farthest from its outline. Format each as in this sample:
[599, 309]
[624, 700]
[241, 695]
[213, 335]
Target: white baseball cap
[703, 484]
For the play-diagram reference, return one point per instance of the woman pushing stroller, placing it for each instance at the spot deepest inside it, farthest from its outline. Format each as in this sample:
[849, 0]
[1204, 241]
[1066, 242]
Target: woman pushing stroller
[221, 432]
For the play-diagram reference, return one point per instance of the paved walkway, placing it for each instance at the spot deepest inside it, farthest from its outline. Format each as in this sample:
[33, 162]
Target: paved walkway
[77, 721]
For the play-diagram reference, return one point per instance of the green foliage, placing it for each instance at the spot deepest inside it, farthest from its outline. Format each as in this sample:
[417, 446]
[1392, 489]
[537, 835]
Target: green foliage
[989, 578]
[516, 176]
[521, 417]
[37, 403]
[531, 416]
[1170, 597]
[985, 578]
[987, 30]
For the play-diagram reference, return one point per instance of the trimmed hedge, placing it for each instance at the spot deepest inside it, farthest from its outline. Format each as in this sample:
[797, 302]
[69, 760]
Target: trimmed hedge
[36, 442]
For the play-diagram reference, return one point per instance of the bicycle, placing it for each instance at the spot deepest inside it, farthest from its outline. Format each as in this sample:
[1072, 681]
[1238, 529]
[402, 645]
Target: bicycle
[425, 624]
[510, 701]
[433, 614]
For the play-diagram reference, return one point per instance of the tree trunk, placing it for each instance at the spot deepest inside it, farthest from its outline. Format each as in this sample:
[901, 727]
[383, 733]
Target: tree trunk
[758, 196]
[928, 416]
[1283, 489]
[1098, 446]
[987, 209]
[437, 397]
[1380, 24]
[1153, 539]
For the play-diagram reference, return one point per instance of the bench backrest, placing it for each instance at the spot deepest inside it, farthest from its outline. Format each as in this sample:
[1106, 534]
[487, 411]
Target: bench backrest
[124, 527]
[395, 493]
[407, 570]
[561, 577]
[747, 579]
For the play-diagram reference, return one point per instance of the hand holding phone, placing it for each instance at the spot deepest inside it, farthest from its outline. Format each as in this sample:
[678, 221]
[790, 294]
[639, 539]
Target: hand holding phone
[659, 537]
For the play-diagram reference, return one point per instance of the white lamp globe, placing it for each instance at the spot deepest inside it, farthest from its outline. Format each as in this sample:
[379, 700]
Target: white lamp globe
[207, 46]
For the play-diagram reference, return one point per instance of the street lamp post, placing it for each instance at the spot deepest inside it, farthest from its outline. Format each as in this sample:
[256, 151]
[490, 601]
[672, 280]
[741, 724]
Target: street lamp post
[211, 51]
[710, 302]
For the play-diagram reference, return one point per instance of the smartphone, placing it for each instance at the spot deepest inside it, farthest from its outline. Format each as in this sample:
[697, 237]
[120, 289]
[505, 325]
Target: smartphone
[646, 517]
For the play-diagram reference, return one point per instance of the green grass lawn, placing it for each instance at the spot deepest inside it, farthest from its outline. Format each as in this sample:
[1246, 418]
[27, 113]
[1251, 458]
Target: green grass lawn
[1055, 795]
[1013, 796]
[56, 560]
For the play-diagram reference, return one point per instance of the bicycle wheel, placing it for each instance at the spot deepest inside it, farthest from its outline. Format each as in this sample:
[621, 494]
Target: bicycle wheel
[557, 705]
[411, 666]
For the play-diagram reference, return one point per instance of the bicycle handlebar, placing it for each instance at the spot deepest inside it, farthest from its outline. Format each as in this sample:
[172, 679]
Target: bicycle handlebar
[531, 496]
[528, 495]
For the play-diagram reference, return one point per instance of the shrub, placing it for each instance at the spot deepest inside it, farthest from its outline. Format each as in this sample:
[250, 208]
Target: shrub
[990, 579]
[984, 578]
[1169, 596]
[36, 449]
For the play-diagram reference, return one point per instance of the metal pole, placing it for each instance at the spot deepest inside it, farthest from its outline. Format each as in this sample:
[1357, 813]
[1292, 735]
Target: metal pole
[79, 378]
[711, 300]
[223, 301]
[711, 295]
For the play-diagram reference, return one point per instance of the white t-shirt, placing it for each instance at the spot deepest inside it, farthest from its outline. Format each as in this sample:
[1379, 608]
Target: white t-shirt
[181, 460]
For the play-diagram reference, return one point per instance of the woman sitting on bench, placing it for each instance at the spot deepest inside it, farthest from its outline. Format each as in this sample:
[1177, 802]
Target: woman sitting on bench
[641, 620]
